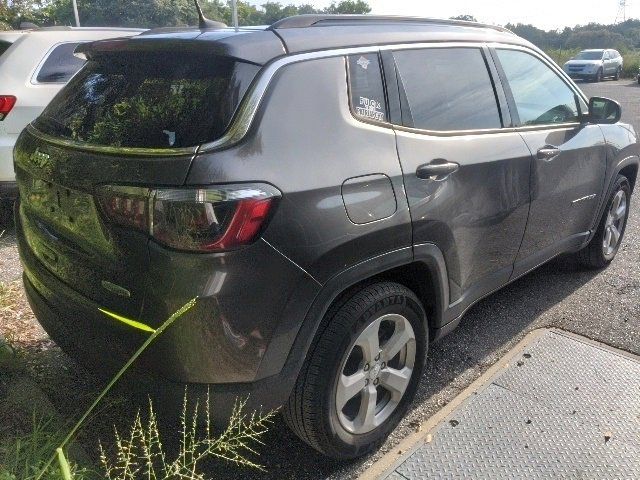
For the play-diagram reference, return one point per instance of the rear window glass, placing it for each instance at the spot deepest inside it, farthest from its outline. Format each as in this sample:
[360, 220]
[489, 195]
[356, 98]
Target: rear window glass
[4, 46]
[149, 101]
[60, 65]
[446, 89]
[366, 88]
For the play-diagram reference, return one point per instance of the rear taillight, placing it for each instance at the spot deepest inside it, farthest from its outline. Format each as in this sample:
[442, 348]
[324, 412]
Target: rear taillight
[6, 104]
[198, 219]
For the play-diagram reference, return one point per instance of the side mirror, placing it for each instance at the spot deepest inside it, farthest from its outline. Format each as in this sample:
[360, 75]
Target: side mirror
[604, 110]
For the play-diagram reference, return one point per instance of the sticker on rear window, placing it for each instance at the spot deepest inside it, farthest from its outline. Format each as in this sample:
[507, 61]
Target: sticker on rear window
[363, 62]
[171, 137]
[370, 108]
[365, 87]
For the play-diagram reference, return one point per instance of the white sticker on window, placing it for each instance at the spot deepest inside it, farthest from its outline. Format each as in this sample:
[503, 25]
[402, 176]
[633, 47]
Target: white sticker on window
[363, 62]
[370, 108]
[171, 137]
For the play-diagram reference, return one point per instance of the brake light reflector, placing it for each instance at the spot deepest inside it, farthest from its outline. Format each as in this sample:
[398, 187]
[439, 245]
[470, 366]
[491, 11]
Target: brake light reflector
[245, 224]
[126, 206]
[6, 105]
[197, 219]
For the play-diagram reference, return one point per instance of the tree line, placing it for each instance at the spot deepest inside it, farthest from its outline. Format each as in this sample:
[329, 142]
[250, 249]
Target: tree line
[624, 36]
[156, 13]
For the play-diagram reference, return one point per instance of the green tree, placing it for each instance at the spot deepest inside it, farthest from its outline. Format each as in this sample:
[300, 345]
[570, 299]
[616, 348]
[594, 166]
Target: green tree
[466, 18]
[596, 39]
[157, 13]
[274, 11]
[123, 13]
[536, 36]
[349, 7]
[14, 12]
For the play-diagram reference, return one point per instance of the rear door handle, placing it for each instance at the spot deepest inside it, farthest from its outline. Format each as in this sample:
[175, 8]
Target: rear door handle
[548, 153]
[437, 168]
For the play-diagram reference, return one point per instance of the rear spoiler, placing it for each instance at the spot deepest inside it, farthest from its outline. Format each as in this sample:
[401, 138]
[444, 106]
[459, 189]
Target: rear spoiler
[252, 46]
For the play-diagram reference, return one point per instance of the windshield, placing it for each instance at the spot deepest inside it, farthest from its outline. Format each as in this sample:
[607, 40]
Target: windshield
[589, 55]
[148, 100]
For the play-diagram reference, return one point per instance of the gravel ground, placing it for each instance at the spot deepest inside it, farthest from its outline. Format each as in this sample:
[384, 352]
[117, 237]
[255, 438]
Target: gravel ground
[604, 306]
[9, 263]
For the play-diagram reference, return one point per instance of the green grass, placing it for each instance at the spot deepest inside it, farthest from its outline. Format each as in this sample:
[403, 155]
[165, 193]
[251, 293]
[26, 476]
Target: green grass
[141, 454]
[39, 450]
[562, 56]
[23, 456]
[631, 64]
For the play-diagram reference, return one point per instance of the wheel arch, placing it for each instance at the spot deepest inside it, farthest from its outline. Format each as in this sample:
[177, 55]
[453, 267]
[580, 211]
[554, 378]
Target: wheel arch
[628, 166]
[424, 273]
[630, 171]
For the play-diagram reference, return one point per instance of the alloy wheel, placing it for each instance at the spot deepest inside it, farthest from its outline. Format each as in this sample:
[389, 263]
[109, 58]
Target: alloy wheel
[614, 224]
[375, 373]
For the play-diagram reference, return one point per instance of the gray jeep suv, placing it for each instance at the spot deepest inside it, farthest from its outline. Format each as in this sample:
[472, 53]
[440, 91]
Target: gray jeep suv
[336, 191]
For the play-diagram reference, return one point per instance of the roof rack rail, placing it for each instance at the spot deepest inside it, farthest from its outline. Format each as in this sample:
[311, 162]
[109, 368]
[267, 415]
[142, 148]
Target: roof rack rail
[302, 21]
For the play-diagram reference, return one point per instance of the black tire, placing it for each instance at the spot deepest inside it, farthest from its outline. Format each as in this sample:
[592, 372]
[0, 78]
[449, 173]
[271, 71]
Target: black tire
[598, 76]
[311, 411]
[618, 73]
[593, 255]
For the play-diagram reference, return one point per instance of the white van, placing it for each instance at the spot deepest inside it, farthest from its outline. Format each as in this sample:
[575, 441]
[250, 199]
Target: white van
[34, 66]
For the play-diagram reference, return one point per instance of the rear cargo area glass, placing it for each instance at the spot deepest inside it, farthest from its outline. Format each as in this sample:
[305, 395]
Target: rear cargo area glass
[4, 46]
[148, 100]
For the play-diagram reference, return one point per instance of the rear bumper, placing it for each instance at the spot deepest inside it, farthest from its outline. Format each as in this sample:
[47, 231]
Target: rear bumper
[67, 323]
[8, 186]
[206, 350]
[7, 142]
[581, 76]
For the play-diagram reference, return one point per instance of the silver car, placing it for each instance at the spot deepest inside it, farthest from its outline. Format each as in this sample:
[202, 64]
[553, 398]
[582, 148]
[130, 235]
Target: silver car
[34, 66]
[595, 64]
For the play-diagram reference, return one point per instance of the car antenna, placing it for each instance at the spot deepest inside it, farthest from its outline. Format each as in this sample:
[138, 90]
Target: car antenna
[204, 22]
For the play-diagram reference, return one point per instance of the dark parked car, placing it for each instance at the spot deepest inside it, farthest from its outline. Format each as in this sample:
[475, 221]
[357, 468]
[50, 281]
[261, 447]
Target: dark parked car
[337, 191]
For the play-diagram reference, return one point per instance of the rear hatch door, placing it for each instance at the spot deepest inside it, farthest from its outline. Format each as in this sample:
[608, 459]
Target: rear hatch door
[127, 119]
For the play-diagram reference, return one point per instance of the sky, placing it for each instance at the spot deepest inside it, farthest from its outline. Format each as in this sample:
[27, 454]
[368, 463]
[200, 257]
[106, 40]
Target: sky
[545, 14]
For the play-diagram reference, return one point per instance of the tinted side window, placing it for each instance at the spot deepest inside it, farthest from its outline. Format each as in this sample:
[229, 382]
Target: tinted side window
[541, 97]
[4, 46]
[446, 89]
[60, 65]
[366, 88]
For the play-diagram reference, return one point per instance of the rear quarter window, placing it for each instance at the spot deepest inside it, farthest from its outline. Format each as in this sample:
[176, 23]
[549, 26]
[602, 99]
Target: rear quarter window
[60, 64]
[366, 90]
[4, 46]
[146, 100]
